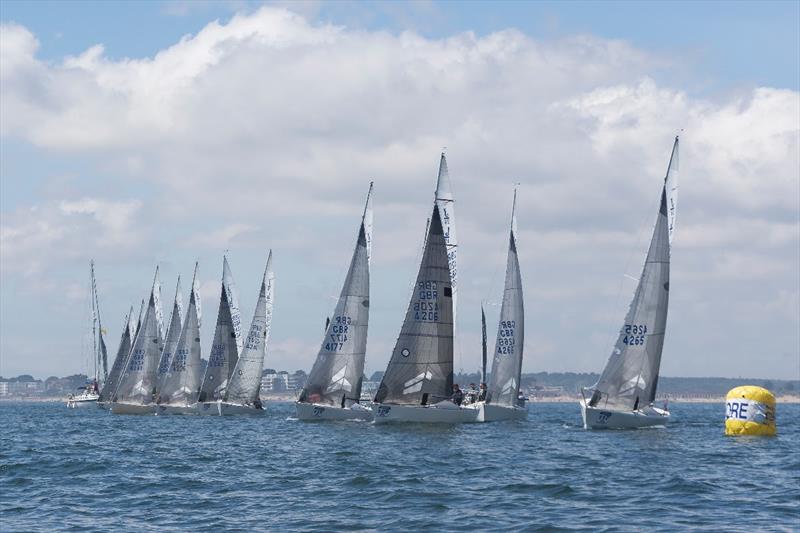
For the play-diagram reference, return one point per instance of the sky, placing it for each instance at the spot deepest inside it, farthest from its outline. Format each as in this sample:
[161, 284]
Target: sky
[144, 133]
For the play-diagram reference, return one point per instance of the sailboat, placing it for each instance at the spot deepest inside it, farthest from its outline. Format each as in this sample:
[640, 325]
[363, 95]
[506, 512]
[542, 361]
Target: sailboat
[226, 347]
[171, 340]
[90, 393]
[623, 396]
[243, 389]
[333, 388]
[128, 332]
[179, 388]
[135, 392]
[501, 401]
[418, 381]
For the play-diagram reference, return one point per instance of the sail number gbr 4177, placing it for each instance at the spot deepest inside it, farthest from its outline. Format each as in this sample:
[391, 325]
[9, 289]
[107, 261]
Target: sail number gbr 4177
[340, 326]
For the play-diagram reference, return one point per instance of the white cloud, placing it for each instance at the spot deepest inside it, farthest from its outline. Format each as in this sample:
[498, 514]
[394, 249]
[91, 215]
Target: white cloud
[264, 132]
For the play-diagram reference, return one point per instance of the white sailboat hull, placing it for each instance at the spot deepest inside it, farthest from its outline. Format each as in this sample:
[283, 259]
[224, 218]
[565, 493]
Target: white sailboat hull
[441, 413]
[489, 412]
[165, 409]
[82, 401]
[313, 412]
[224, 408]
[598, 418]
[122, 408]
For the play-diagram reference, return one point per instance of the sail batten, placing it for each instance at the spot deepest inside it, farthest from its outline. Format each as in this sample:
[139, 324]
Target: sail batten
[245, 382]
[337, 374]
[630, 377]
[420, 370]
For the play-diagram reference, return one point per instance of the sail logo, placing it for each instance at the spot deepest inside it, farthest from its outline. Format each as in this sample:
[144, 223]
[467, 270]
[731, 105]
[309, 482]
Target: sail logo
[739, 409]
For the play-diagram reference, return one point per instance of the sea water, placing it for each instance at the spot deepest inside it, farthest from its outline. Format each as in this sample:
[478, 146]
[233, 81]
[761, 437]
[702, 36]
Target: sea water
[88, 470]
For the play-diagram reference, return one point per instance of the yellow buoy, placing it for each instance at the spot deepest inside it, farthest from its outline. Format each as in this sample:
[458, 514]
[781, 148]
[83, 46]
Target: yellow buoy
[750, 410]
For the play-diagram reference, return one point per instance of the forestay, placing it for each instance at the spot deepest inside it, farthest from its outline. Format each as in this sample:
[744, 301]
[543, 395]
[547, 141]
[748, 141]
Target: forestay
[630, 377]
[119, 361]
[227, 343]
[138, 381]
[173, 334]
[420, 370]
[507, 362]
[338, 370]
[245, 383]
[182, 382]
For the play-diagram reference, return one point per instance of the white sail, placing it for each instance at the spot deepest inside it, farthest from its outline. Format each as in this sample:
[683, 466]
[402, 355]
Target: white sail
[508, 351]
[245, 382]
[336, 376]
[181, 384]
[446, 204]
[630, 377]
[135, 326]
[119, 361]
[159, 308]
[367, 223]
[227, 344]
[173, 334]
[138, 381]
[420, 370]
[671, 187]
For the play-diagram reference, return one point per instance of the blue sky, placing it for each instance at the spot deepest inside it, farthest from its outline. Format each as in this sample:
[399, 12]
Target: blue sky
[732, 43]
[264, 130]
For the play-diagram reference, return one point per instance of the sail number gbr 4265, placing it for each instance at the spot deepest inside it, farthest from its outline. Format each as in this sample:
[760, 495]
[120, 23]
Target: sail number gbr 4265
[634, 334]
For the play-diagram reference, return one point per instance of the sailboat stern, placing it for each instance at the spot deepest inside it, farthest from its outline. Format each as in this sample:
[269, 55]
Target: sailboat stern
[312, 412]
[602, 418]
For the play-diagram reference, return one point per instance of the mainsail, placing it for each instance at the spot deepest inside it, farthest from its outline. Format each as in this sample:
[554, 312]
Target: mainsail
[173, 334]
[138, 381]
[420, 370]
[181, 384]
[630, 377]
[338, 370]
[245, 382]
[507, 363]
[119, 361]
[227, 343]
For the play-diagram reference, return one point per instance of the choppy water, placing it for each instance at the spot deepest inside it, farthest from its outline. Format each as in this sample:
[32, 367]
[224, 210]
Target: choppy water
[88, 470]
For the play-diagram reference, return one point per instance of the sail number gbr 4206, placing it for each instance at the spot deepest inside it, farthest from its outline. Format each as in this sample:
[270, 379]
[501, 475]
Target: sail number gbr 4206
[426, 304]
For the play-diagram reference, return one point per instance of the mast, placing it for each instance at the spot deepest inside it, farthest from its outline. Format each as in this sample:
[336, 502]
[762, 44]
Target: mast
[446, 204]
[483, 345]
[95, 356]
